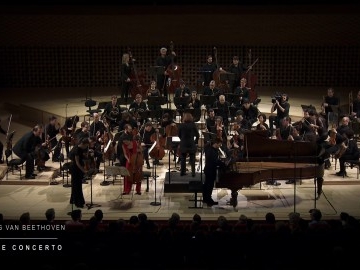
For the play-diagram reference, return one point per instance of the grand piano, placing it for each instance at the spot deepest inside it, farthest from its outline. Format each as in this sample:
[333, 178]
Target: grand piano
[267, 159]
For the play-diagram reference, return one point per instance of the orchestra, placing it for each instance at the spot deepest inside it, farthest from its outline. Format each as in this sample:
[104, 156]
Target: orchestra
[146, 123]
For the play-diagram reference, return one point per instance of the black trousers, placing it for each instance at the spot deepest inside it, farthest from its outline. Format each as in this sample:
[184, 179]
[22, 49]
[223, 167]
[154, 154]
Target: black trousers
[183, 162]
[77, 176]
[208, 186]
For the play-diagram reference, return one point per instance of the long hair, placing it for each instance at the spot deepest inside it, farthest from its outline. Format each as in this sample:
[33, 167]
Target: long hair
[187, 118]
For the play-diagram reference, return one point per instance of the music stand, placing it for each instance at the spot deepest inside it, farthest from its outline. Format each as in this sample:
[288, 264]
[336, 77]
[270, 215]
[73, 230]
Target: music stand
[91, 204]
[124, 101]
[154, 203]
[104, 182]
[231, 97]
[207, 100]
[182, 102]
[117, 170]
[227, 76]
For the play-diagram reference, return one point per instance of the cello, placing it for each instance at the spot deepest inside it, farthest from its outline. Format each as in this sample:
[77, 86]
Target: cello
[136, 164]
[137, 86]
[173, 71]
[251, 79]
[158, 152]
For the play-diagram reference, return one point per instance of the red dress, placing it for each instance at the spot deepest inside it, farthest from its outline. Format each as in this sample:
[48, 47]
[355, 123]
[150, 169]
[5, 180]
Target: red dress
[128, 183]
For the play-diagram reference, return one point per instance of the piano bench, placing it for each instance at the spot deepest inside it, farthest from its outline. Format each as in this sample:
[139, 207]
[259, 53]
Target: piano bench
[147, 175]
[353, 164]
[196, 187]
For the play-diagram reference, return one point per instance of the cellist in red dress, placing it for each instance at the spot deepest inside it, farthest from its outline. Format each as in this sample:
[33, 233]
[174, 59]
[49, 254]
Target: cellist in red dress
[134, 163]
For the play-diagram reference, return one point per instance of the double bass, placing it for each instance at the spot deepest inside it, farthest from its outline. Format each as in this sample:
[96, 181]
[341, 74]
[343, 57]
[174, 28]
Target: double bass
[158, 151]
[137, 80]
[174, 72]
[136, 164]
[221, 84]
[251, 79]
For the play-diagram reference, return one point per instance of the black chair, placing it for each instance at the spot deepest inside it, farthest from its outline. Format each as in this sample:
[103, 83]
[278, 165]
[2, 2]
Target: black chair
[91, 103]
[13, 164]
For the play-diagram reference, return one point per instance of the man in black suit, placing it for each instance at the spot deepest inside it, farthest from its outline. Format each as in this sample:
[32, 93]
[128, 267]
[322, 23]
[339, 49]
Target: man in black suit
[26, 149]
[212, 162]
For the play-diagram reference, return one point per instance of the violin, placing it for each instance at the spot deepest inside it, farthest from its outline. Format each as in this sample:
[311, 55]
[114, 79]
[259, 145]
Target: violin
[332, 134]
[136, 164]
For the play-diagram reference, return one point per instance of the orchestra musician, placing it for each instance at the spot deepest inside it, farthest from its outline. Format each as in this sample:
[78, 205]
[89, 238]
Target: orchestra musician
[164, 60]
[238, 69]
[221, 106]
[137, 107]
[82, 132]
[282, 108]
[241, 121]
[194, 102]
[210, 120]
[126, 135]
[242, 91]
[356, 107]
[52, 129]
[96, 155]
[219, 129]
[67, 132]
[130, 148]
[182, 92]
[212, 162]
[112, 112]
[208, 70]
[127, 119]
[125, 72]
[27, 148]
[251, 112]
[262, 125]
[212, 90]
[153, 91]
[189, 136]
[145, 133]
[285, 129]
[331, 100]
[97, 127]
[350, 153]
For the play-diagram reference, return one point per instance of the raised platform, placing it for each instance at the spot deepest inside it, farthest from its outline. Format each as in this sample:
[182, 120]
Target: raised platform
[174, 183]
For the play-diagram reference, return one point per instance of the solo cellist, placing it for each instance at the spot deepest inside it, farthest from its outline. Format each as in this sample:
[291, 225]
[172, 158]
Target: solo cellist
[134, 162]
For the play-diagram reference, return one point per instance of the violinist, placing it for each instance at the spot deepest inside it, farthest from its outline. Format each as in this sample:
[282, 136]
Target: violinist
[112, 112]
[189, 136]
[125, 72]
[208, 70]
[130, 148]
[285, 129]
[219, 129]
[145, 133]
[242, 91]
[235, 144]
[1, 144]
[52, 130]
[164, 60]
[241, 121]
[137, 108]
[26, 149]
[295, 136]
